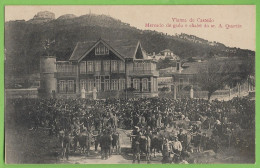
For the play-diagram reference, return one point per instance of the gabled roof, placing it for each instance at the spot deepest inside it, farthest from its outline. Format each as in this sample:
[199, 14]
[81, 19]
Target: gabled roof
[124, 48]
[80, 49]
[166, 50]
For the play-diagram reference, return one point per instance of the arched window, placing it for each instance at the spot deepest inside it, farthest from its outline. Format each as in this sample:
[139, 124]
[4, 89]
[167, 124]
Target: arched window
[101, 49]
[136, 84]
[144, 84]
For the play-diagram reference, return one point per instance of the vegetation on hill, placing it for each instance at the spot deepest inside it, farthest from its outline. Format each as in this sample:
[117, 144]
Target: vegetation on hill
[23, 40]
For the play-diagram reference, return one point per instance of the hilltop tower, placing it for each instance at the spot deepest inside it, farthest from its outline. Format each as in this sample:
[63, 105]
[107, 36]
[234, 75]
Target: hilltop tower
[48, 82]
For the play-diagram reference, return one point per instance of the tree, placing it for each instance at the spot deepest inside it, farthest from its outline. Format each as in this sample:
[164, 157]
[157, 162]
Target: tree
[48, 46]
[165, 89]
[213, 75]
[242, 71]
[248, 70]
[165, 63]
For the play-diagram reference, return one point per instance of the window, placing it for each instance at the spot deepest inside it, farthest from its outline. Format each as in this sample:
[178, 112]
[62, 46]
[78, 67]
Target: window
[114, 66]
[180, 83]
[73, 68]
[101, 49]
[107, 85]
[98, 84]
[121, 66]
[82, 67]
[65, 67]
[129, 82]
[90, 66]
[139, 66]
[106, 66]
[136, 84]
[90, 85]
[190, 80]
[59, 67]
[155, 84]
[145, 84]
[97, 66]
[147, 66]
[121, 84]
[62, 86]
[83, 84]
[114, 84]
[70, 85]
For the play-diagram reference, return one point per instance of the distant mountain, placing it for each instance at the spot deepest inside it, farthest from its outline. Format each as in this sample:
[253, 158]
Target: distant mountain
[42, 17]
[23, 39]
[67, 16]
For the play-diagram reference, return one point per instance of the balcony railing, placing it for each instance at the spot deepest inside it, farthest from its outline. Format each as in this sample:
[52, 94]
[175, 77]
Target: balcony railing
[65, 74]
[144, 72]
[98, 73]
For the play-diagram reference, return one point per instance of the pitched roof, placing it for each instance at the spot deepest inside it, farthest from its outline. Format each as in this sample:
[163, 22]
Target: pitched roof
[80, 49]
[166, 50]
[125, 48]
[194, 67]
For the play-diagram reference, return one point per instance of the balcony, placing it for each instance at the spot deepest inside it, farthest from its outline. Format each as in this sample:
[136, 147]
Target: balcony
[144, 73]
[65, 74]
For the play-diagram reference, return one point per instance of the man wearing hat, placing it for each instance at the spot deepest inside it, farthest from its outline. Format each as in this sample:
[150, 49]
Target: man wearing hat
[176, 148]
[136, 144]
[166, 151]
[181, 135]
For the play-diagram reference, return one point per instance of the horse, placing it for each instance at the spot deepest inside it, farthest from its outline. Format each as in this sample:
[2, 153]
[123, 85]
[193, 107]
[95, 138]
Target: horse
[65, 140]
[196, 141]
[84, 142]
[145, 146]
[76, 134]
[185, 140]
[105, 144]
[156, 144]
[116, 142]
[141, 144]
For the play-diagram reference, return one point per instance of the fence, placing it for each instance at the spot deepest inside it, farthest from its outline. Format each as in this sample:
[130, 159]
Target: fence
[21, 93]
[239, 90]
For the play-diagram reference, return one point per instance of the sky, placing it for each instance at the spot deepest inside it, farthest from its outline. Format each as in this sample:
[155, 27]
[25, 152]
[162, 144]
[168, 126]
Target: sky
[237, 27]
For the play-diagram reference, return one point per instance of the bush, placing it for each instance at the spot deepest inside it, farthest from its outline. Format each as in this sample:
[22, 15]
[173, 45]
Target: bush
[131, 89]
[164, 89]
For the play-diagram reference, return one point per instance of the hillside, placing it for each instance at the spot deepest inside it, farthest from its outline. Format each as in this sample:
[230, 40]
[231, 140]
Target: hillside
[23, 39]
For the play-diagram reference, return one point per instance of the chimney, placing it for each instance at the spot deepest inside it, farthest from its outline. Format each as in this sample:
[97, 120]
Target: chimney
[178, 66]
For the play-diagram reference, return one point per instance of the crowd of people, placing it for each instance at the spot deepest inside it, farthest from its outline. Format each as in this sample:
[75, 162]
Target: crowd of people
[149, 116]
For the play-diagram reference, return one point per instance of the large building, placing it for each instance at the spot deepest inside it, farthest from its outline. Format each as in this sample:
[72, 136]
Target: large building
[167, 53]
[114, 68]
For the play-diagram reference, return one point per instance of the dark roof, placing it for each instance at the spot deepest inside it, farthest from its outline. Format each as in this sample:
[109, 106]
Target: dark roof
[194, 67]
[197, 58]
[80, 49]
[166, 50]
[125, 48]
[187, 64]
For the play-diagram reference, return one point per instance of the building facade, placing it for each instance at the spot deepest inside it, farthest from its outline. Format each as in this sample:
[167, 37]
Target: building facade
[167, 53]
[118, 68]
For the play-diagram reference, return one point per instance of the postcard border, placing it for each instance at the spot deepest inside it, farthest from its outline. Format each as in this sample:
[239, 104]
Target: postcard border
[3, 3]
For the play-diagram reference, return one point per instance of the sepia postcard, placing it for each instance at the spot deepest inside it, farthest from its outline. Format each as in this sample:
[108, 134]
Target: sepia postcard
[129, 84]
